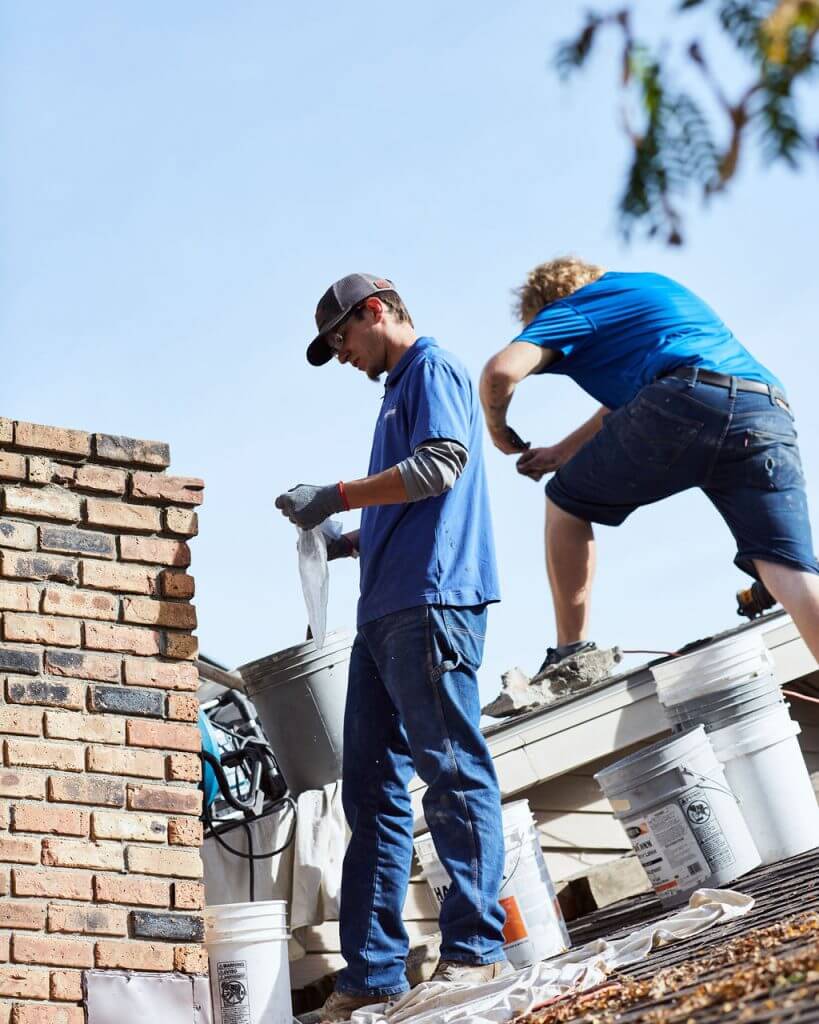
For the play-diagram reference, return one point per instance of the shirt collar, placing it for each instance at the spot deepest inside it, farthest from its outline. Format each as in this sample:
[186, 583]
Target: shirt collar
[412, 353]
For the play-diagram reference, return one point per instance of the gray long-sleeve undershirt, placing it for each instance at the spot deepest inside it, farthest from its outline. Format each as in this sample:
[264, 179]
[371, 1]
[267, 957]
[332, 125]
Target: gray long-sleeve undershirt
[432, 468]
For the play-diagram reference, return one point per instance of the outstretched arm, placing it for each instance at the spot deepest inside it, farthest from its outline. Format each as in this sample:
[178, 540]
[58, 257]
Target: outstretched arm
[538, 461]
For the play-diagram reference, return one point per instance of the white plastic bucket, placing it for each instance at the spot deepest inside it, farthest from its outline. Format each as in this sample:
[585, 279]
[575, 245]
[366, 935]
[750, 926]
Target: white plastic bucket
[534, 927]
[249, 969]
[682, 818]
[739, 659]
[765, 768]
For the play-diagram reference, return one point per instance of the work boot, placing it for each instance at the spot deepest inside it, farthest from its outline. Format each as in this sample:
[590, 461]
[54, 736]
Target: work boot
[473, 974]
[556, 655]
[341, 1005]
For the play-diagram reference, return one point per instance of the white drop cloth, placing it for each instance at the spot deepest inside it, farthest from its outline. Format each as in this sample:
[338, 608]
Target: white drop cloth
[576, 971]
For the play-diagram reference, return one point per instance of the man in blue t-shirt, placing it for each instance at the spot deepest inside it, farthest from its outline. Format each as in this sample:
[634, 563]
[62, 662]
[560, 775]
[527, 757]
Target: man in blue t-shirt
[683, 404]
[427, 575]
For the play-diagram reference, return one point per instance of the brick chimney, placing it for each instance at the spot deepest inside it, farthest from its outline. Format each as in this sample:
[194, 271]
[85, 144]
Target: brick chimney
[99, 828]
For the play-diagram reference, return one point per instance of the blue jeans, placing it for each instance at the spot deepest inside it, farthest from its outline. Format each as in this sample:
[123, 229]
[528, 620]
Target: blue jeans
[740, 448]
[412, 701]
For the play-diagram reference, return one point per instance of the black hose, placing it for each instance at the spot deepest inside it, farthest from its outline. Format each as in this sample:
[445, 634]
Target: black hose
[255, 856]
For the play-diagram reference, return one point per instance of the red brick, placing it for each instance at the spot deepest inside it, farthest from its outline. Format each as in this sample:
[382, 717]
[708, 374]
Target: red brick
[45, 503]
[52, 439]
[183, 768]
[21, 721]
[188, 895]
[19, 597]
[86, 790]
[22, 536]
[121, 516]
[154, 551]
[101, 636]
[5, 815]
[19, 851]
[36, 1013]
[140, 892]
[40, 469]
[49, 692]
[167, 799]
[38, 566]
[65, 473]
[26, 915]
[41, 629]
[183, 521]
[67, 917]
[91, 728]
[183, 863]
[144, 828]
[144, 611]
[117, 761]
[165, 675]
[6, 430]
[12, 467]
[182, 490]
[66, 821]
[184, 832]
[22, 784]
[67, 885]
[131, 579]
[35, 949]
[190, 959]
[23, 983]
[115, 448]
[176, 585]
[183, 707]
[5, 879]
[103, 479]
[142, 732]
[66, 986]
[134, 956]
[84, 604]
[179, 645]
[70, 853]
[84, 666]
[5, 948]
[34, 754]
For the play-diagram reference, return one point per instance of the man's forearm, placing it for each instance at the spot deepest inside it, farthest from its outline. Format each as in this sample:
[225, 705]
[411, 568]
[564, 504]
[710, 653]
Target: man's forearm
[496, 391]
[572, 443]
[385, 488]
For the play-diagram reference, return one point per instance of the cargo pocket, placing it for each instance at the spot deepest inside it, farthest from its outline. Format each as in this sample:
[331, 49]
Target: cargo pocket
[457, 637]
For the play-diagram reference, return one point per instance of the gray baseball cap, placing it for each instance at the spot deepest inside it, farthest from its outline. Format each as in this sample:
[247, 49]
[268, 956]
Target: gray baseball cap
[339, 299]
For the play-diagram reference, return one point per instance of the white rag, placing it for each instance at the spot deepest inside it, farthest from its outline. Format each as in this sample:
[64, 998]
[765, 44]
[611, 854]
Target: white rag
[318, 853]
[435, 1002]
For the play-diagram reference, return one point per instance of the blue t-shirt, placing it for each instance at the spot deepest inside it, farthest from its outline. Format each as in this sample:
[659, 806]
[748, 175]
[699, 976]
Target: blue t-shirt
[437, 550]
[618, 333]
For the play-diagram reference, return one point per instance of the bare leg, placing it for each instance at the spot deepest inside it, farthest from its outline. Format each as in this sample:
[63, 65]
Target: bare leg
[570, 559]
[798, 593]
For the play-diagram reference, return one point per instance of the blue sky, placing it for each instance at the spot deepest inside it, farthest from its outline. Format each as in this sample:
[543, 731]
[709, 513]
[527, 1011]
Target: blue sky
[180, 183]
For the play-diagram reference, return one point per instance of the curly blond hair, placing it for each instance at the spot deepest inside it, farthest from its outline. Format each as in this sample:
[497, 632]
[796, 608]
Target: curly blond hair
[551, 281]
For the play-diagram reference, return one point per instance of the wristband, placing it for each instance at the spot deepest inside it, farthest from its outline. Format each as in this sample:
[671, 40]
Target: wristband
[343, 495]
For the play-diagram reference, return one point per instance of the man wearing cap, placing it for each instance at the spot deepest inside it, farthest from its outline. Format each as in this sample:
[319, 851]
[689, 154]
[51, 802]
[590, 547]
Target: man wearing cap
[427, 575]
[683, 404]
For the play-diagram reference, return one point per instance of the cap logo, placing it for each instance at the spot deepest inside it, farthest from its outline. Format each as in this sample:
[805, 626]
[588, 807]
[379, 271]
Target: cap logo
[380, 282]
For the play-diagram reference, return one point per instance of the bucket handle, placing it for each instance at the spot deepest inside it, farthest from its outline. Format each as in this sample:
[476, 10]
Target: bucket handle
[714, 784]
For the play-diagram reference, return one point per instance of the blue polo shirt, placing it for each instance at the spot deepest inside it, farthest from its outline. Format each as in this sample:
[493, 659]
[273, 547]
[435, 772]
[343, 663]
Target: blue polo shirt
[438, 550]
[618, 333]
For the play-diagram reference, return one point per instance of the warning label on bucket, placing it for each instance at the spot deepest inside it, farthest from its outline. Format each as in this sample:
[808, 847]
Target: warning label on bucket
[233, 991]
[707, 830]
[514, 928]
[667, 849]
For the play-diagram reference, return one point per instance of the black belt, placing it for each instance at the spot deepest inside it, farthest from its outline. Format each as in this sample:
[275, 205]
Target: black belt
[722, 380]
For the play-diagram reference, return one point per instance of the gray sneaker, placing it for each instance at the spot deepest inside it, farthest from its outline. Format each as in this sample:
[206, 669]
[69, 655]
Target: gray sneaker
[556, 655]
[473, 974]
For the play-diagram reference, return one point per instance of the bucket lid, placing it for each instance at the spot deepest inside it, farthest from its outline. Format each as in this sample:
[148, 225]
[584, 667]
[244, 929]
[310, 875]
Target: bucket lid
[654, 759]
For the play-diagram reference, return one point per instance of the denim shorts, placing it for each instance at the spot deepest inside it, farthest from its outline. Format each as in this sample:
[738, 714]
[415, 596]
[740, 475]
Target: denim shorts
[739, 448]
